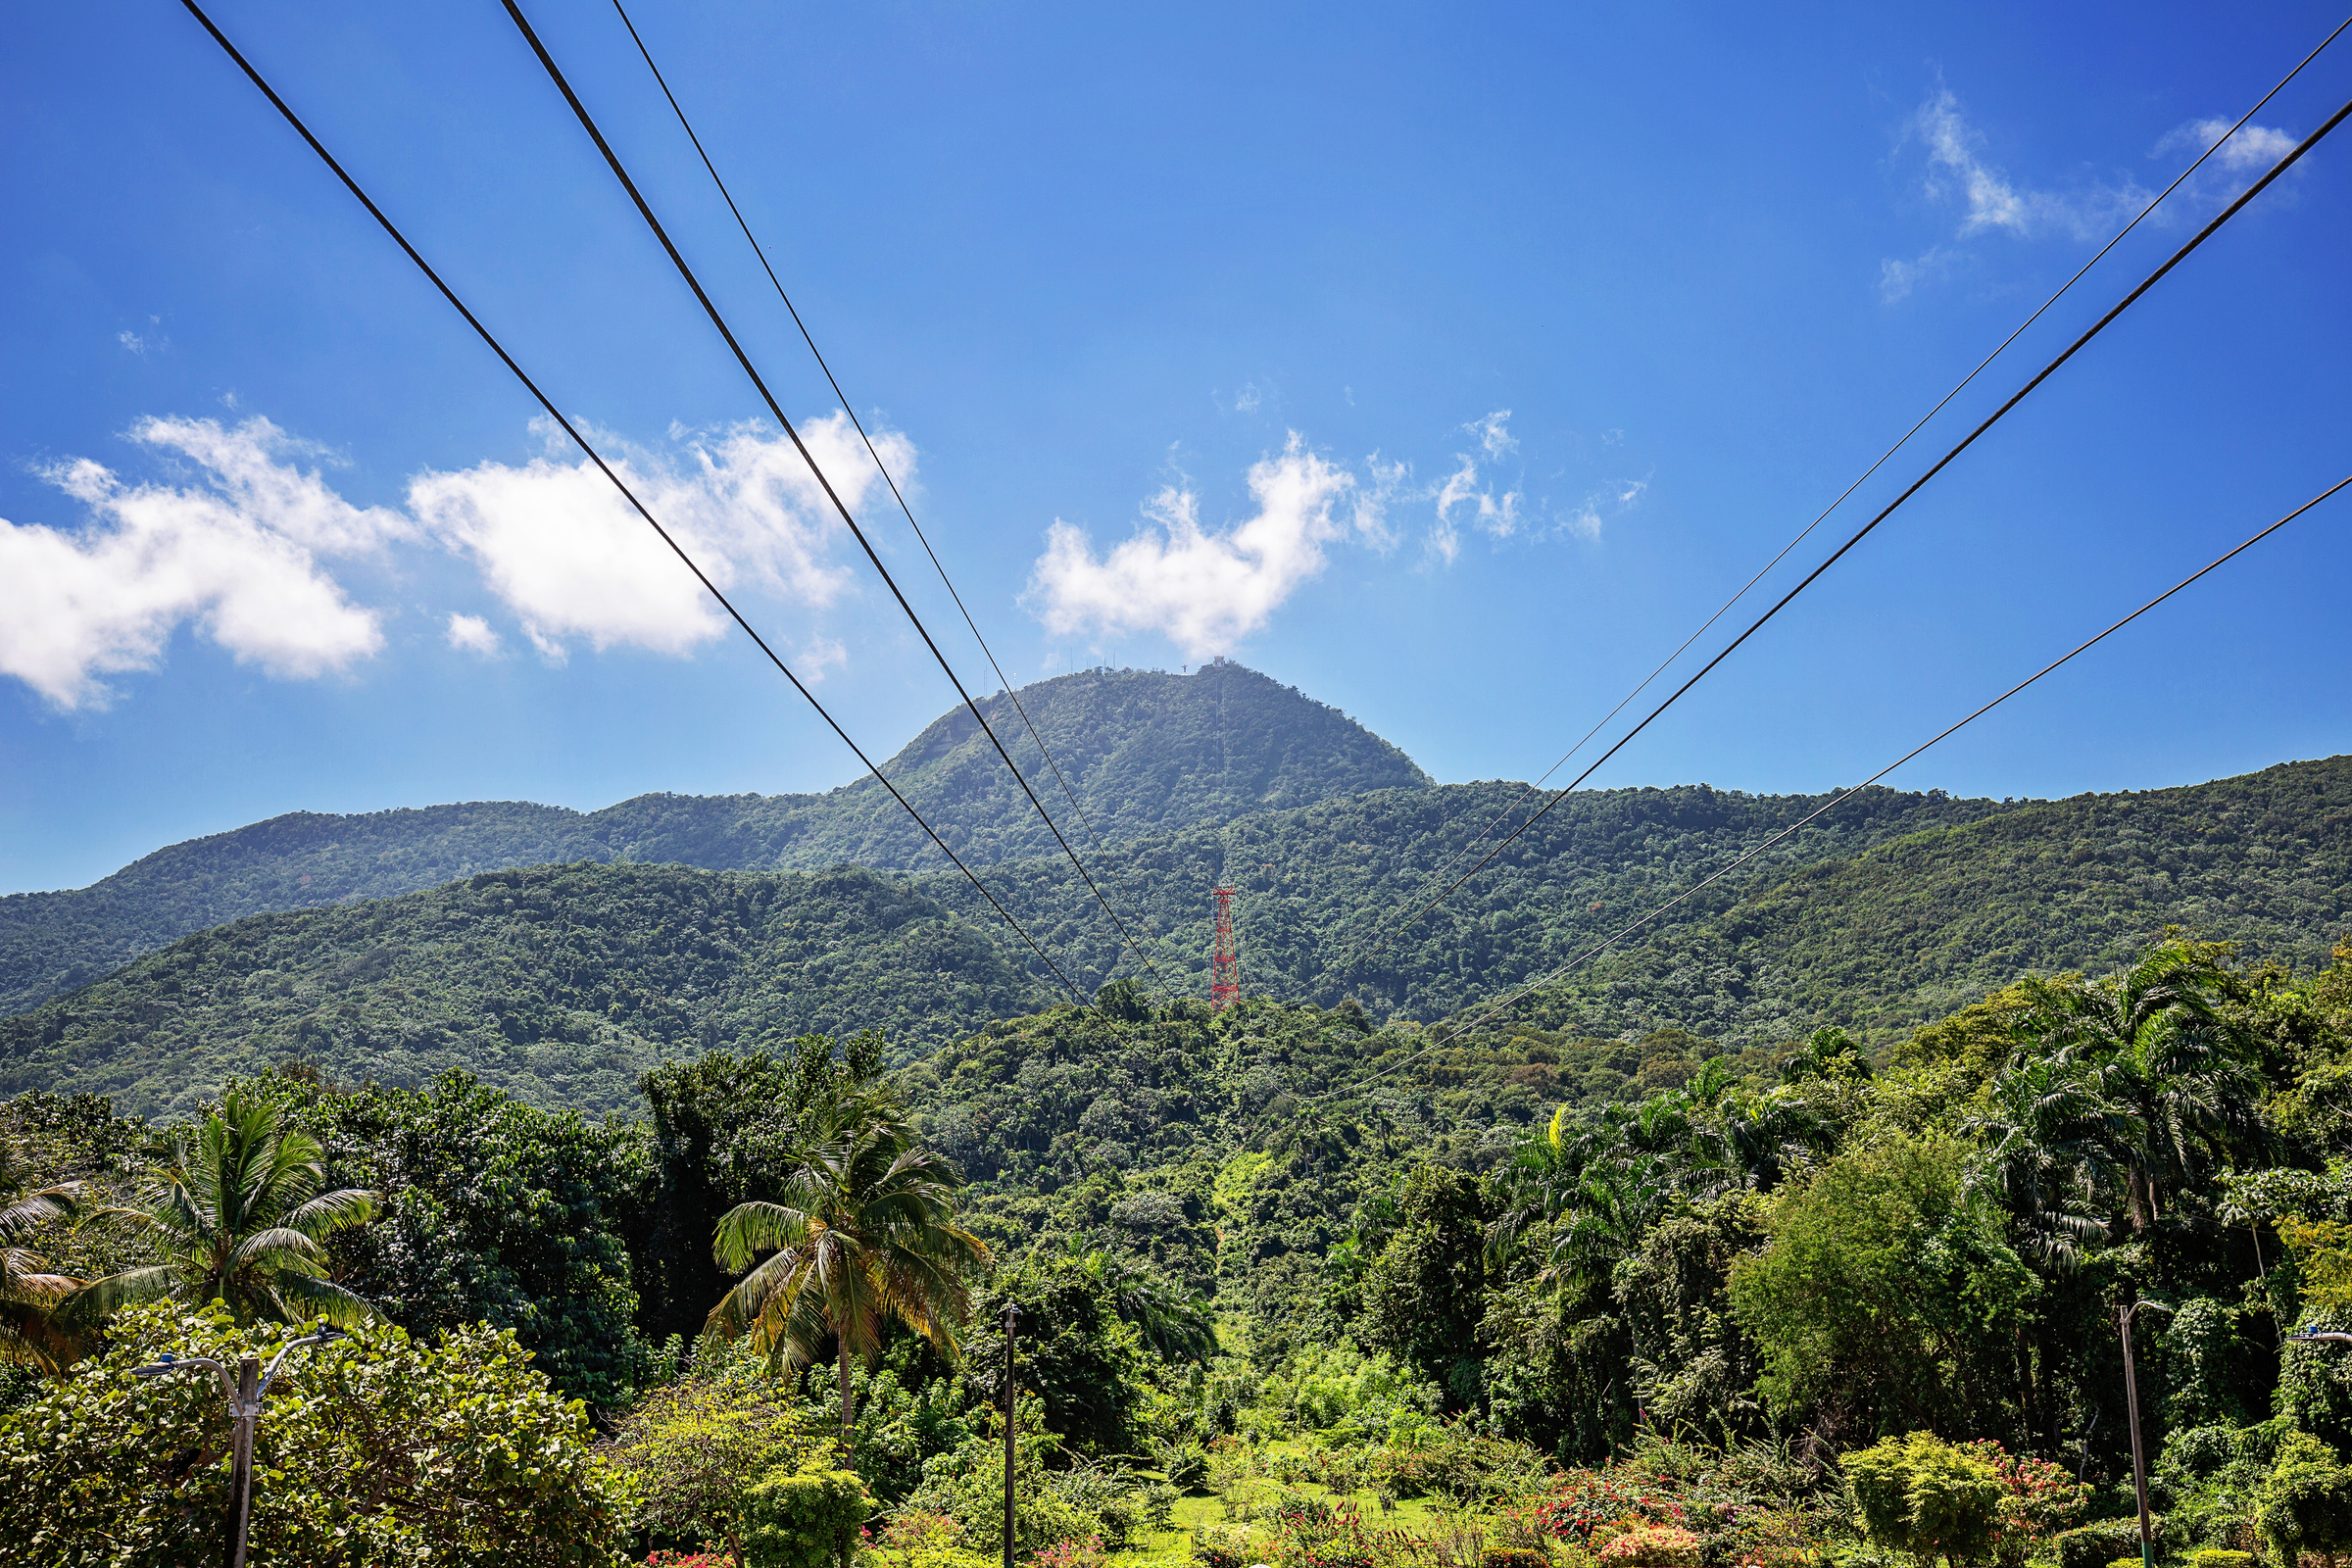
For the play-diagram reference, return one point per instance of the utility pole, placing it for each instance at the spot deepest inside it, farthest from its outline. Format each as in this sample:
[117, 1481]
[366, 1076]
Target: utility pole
[2140, 1464]
[1011, 1405]
[246, 1391]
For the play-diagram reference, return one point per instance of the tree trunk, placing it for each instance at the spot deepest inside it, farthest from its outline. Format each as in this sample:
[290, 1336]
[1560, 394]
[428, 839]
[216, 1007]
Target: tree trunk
[843, 1359]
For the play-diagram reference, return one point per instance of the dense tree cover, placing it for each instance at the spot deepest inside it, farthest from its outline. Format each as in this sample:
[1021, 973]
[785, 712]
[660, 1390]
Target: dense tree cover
[1811, 1246]
[1895, 938]
[560, 985]
[1143, 751]
[563, 984]
[378, 1448]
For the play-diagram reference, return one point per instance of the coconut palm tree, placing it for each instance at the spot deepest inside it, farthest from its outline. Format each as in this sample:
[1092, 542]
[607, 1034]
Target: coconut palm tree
[29, 1334]
[861, 1234]
[238, 1217]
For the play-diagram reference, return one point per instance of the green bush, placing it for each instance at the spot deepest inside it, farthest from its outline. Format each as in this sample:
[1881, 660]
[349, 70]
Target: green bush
[2096, 1544]
[805, 1517]
[1919, 1494]
[1513, 1557]
[374, 1449]
[2214, 1557]
[2305, 1503]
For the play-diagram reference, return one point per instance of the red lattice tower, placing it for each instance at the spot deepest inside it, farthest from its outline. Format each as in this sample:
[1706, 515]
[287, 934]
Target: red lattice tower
[1224, 964]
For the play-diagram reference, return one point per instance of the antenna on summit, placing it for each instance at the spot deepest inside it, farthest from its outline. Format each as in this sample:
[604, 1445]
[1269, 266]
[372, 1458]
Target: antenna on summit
[1224, 963]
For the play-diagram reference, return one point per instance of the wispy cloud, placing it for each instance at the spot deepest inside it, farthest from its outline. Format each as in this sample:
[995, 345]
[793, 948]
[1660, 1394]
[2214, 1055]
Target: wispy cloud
[1204, 591]
[1993, 202]
[1463, 500]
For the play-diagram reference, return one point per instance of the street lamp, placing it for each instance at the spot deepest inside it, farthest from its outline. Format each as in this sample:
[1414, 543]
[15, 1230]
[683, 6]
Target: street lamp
[2140, 1464]
[246, 1391]
[1011, 1405]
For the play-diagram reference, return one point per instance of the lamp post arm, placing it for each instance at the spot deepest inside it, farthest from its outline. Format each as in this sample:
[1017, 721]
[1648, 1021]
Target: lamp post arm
[322, 1337]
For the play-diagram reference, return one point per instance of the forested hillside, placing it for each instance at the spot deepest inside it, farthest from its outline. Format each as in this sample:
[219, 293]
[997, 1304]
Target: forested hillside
[1142, 750]
[1903, 934]
[561, 983]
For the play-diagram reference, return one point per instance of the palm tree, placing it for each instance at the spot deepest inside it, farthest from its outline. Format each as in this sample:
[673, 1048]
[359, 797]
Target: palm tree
[29, 1334]
[238, 1217]
[2162, 1051]
[862, 1233]
[2050, 1135]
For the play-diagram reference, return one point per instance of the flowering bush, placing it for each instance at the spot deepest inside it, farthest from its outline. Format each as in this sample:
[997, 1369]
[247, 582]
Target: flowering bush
[1087, 1554]
[2038, 1499]
[1581, 1501]
[1650, 1545]
[712, 1555]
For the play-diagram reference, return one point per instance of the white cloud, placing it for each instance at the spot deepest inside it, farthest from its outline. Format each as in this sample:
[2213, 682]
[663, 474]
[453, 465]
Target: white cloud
[2252, 149]
[1204, 591]
[819, 655]
[572, 560]
[1493, 433]
[1992, 200]
[1247, 399]
[1461, 498]
[1370, 517]
[471, 634]
[236, 554]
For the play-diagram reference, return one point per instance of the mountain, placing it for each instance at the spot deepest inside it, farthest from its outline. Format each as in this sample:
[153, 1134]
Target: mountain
[1143, 751]
[1889, 910]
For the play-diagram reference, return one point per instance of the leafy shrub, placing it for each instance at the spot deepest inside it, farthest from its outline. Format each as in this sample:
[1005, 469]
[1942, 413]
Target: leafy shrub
[1087, 1554]
[1223, 1545]
[1923, 1495]
[2094, 1546]
[1185, 1464]
[1652, 1546]
[2305, 1505]
[2038, 1499]
[2215, 1557]
[372, 1448]
[1513, 1557]
[804, 1517]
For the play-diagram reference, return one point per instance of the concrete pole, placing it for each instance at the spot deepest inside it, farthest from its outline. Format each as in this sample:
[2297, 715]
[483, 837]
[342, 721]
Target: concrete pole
[240, 1485]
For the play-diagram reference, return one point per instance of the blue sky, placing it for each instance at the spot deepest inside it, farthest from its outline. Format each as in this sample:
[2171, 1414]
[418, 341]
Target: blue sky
[1448, 364]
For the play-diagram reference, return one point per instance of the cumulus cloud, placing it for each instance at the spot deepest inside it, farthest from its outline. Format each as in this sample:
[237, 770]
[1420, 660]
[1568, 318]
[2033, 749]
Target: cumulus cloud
[1992, 201]
[1204, 591]
[471, 634]
[572, 560]
[240, 549]
[236, 553]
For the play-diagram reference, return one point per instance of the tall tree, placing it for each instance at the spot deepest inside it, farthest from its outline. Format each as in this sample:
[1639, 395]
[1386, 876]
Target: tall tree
[2164, 1053]
[862, 1232]
[240, 1214]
